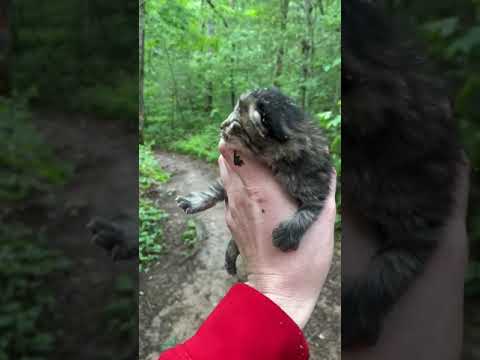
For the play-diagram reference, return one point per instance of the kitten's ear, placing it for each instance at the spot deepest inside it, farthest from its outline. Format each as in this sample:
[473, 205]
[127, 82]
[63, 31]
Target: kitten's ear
[277, 128]
[242, 103]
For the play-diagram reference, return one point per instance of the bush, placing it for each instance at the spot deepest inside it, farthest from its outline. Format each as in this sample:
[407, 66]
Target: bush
[151, 234]
[151, 217]
[27, 163]
[26, 268]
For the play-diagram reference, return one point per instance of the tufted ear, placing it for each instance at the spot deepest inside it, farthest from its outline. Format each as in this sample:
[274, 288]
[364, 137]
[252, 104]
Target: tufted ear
[279, 131]
[243, 103]
[274, 122]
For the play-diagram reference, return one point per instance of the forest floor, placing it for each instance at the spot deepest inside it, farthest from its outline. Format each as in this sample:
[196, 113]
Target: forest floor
[182, 288]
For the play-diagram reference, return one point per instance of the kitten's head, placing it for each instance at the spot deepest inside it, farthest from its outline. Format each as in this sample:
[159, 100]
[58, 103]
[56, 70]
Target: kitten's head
[261, 119]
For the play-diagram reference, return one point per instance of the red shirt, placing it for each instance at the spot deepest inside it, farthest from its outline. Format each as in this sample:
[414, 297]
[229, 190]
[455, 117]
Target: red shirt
[245, 325]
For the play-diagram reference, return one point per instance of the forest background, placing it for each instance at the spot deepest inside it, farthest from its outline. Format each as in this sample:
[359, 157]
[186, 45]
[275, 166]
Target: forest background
[198, 56]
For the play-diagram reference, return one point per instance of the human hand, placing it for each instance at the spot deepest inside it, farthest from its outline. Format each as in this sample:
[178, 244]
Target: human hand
[431, 312]
[256, 205]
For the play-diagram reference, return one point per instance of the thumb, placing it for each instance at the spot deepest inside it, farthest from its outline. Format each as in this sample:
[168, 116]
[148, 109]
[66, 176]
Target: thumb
[250, 170]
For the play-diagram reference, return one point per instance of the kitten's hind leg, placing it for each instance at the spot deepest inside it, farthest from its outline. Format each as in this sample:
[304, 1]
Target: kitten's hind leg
[231, 257]
[202, 200]
[288, 234]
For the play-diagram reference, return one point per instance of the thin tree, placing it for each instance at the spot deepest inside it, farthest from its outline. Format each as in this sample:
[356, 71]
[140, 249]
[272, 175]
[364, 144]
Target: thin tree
[307, 50]
[232, 58]
[141, 70]
[281, 48]
[233, 4]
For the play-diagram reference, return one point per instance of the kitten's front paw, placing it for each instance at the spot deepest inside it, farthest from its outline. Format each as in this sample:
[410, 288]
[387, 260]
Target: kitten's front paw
[285, 237]
[191, 203]
[107, 235]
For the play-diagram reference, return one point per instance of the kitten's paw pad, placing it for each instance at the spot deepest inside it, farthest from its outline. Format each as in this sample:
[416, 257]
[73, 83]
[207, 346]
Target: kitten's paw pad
[191, 203]
[184, 204]
[285, 237]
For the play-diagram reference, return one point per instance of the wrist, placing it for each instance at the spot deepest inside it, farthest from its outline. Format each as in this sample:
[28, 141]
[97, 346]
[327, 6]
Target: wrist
[297, 306]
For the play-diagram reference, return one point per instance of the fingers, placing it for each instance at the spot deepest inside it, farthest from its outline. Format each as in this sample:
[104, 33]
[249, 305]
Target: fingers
[232, 184]
[230, 178]
[333, 189]
[249, 170]
[327, 217]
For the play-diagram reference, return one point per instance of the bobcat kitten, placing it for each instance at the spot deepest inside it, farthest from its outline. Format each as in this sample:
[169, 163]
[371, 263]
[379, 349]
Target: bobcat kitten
[269, 125]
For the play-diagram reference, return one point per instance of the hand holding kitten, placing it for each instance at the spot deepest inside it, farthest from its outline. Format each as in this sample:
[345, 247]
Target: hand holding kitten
[257, 203]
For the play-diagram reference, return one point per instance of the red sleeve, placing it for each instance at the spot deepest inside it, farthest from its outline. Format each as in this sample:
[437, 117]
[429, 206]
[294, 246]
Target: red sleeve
[245, 325]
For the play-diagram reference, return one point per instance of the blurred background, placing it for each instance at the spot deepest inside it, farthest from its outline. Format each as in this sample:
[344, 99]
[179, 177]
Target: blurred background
[450, 31]
[68, 152]
[198, 56]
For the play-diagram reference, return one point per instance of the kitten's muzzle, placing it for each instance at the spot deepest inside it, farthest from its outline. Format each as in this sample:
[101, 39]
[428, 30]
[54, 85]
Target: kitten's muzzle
[230, 128]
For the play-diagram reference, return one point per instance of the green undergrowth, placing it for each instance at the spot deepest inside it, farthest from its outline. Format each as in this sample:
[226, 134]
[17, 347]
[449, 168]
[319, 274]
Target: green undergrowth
[92, 70]
[27, 164]
[27, 303]
[151, 173]
[151, 242]
[118, 314]
[151, 233]
[198, 141]
[115, 100]
[203, 146]
[28, 167]
[189, 235]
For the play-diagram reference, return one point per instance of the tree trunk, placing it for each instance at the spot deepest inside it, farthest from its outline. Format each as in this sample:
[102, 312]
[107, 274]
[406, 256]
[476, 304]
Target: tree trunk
[141, 72]
[175, 92]
[232, 66]
[209, 95]
[321, 7]
[232, 59]
[307, 49]
[281, 48]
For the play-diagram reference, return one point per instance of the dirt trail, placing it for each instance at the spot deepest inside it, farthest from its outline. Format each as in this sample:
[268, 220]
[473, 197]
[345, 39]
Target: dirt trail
[177, 294]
